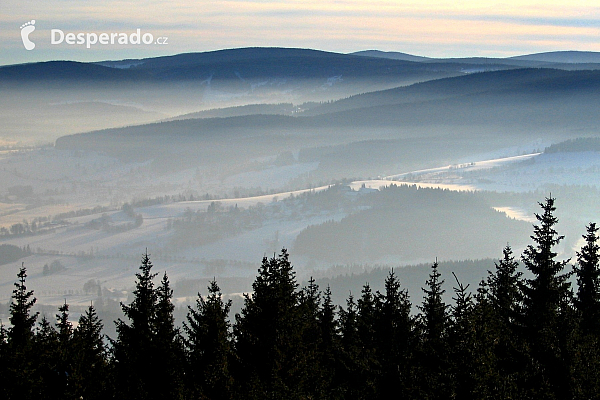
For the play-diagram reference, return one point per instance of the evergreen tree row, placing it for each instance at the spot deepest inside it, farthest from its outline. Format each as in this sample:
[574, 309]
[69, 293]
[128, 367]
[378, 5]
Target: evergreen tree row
[514, 337]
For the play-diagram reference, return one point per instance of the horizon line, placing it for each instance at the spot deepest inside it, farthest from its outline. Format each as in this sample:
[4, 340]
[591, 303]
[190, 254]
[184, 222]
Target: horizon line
[304, 48]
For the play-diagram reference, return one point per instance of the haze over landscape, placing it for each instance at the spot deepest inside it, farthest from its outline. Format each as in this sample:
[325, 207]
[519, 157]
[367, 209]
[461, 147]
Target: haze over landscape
[213, 160]
[369, 140]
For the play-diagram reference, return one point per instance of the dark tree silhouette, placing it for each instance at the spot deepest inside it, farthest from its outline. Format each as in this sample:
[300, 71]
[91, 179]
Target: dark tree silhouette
[90, 369]
[48, 379]
[349, 358]
[21, 317]
[461, 342]
[434, 322]
[501, 306]
[65, 350]
[587, 269]
[504, 289]
[133, 349]
[268, 341]
[21, 361]
[546, 299]
[329, 345]
[167, 345]
[395, 337]
[209, 346]
[366, 323]
[309, 303]
[515, 338]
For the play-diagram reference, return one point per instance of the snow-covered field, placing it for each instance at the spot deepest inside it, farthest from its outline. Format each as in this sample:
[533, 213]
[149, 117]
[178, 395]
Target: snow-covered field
[76, 181]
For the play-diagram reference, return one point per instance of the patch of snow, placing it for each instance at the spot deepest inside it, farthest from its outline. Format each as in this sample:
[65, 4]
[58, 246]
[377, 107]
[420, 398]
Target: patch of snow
[516, 213]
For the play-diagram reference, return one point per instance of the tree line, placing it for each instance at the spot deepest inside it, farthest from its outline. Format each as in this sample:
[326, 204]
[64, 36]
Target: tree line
[516, 336]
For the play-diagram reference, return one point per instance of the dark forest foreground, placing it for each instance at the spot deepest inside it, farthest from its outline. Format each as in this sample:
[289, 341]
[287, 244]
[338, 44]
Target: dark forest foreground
[516, 336]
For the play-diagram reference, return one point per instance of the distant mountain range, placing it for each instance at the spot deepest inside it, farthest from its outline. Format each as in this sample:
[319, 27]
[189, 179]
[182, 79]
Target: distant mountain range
[567, 57]
[140, 90]
[280, 63]
[393, 55]
[559, 59]
[240, 65]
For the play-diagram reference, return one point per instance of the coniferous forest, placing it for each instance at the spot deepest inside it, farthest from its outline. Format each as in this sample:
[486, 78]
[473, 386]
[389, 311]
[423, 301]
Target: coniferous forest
[530, 330]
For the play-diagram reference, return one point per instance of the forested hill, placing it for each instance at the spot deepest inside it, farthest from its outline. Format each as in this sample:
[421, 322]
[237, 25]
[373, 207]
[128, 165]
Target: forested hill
[233, 64]
[440, 223]
[491, 102]
[575, 146]
[532, 81]
[518, 336]
[554, 59]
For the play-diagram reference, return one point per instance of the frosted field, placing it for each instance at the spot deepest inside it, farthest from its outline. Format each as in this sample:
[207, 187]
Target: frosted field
[118, 272]
[75, 182]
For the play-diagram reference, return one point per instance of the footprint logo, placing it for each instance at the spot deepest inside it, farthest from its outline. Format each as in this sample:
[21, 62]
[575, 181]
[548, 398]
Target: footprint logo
[26, 29]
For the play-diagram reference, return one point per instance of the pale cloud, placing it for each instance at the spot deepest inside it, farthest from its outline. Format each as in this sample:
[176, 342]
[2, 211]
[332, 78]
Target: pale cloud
[426, 27]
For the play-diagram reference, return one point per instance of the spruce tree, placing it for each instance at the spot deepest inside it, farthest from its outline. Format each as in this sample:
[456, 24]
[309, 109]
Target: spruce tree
[21, 359]
[434, 321]
[65, 328]
[367, 356]
[348, 368]
[366, 318]
[395, 337]
[329, 345]
[584, 350]
[501, 305]
[309, 303]
[208, 346]
[267, 336]
[461, 341]
[64, 351]
[167, 344]
[133, 349]
[546, 298]
[587, 269]
[548, 290]
[504, 289]
[434, 312]
[90, 368]
[327, 321]
[48, 381]
[22, 320]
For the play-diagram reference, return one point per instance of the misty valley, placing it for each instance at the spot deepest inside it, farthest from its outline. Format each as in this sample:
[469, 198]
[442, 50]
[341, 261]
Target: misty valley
[357, 164]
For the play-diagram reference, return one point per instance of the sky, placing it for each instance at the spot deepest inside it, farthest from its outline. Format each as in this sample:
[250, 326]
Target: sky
[433, 28]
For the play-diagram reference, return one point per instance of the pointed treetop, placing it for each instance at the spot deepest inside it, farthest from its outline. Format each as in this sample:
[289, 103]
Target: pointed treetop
[20, 311]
